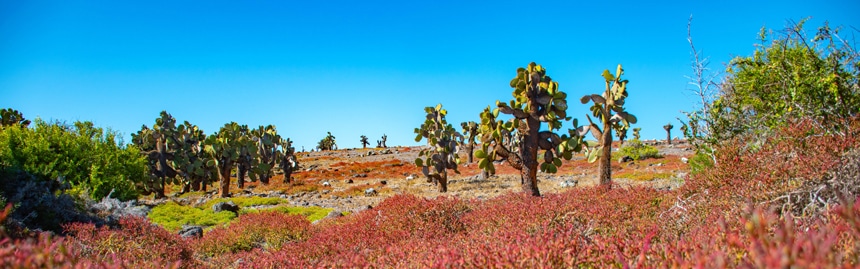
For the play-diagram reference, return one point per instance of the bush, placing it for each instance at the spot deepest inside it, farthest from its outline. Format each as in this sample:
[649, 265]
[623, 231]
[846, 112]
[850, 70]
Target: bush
[172, 216]
[88, 158]
[265, 230]
[138, 244]
[636, 150]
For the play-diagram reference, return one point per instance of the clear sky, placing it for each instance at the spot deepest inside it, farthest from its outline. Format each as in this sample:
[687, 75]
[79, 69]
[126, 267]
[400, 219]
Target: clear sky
[361, 67]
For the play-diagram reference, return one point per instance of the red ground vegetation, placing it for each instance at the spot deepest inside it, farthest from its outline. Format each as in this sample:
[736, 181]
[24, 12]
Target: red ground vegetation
[724, 217]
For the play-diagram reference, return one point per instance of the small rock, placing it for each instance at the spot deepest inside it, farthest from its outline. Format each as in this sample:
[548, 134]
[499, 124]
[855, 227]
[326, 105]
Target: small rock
[625, 159]
[684, 160]
[334, 214]
[370, 192]
[568, 183]
[349, 181]
[410, 177]
[359, 175]
[225, 206]
[326, 184]
[191, 231]
[325, 191]
[383, 182]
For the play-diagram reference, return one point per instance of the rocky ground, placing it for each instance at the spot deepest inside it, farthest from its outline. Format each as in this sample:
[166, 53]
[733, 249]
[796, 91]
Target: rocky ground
[355, 179]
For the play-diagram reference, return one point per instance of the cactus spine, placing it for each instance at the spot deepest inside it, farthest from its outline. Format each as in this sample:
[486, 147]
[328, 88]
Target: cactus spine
[609, 109]
[442, 152]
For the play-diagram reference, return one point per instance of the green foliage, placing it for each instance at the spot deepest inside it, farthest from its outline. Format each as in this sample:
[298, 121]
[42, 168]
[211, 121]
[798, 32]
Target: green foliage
[636, 150]
[442, 140]
[89, 158]
[246, 201]
[327, 143]
[9, 117]
[700, 162]
[789, 76]
[312, 213]
[172, 216]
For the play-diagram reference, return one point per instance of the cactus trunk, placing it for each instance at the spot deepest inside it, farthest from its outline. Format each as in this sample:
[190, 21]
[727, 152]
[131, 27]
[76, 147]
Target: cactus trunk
[443, 181]
[604, 172]
[224, 176]
[240, 176]
[529, 148]
[669, 136]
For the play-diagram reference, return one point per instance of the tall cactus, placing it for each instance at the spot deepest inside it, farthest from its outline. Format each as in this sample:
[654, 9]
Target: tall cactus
[248, 160]
[668, 127]
[636, 133]
[537, 100]
[327, 143]
[224, 149]
[288, 161]
[442, 152]
[381, 143]
[155, 144]
[189, 161]
[470, 133]
[364, 141]
[268, 143]
[9, 117]
[609, 109]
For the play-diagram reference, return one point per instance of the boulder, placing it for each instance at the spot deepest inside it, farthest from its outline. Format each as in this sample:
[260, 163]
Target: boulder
[191, 231]
[625, 159]
[370, 192]
[225, 206]
[334, 214]
[568, 183]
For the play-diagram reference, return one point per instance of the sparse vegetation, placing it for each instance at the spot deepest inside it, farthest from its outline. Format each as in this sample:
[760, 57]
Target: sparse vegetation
[637, 150]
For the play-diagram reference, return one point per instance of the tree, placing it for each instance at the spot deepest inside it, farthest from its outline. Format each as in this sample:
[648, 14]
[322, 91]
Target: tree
[224, 149]
[327, 143]
[288, 161]
[636, 133]
[189, 161]
[470, 133]
[268, 143]
[789, 76]
[9, 117]
[381, 143]
[537, 100]
[668, 127]
[609, 109]
[442, 152]
[364, 141]
[248, 157]
[153, 143]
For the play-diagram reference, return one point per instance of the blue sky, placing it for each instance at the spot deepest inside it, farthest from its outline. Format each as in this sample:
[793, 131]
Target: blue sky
[360, 67]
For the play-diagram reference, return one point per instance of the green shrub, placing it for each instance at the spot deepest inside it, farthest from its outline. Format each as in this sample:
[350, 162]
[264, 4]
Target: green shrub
[91, 159]
[312, 213]
[636, 150]
[246, 201]
[700, 162]
[172, 216]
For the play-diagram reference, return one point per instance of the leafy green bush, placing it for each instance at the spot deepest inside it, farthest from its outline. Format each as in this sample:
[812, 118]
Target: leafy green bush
[172, 216]
[636, 150]
[700, 162]
[90, 159]
[312, 213]
[246, 201]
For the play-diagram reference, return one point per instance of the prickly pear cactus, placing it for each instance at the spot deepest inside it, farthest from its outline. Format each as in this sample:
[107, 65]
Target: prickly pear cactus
[288, 161]
[224, 148]
[636, 133]
[537, 100]
[441, 153]
[470, 133]
[10, 117]
[364, 141]
[608, 108]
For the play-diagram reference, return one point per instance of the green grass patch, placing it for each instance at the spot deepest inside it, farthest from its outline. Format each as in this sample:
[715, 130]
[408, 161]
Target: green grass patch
[246, 201]
[312, 213]
[643, 176]
[636, 150]
[172, 216]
